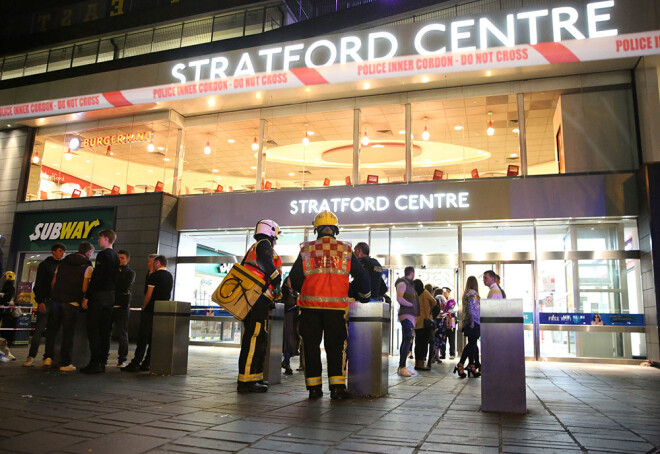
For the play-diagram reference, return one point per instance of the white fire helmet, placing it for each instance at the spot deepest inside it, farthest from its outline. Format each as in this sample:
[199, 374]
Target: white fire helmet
[267, 227]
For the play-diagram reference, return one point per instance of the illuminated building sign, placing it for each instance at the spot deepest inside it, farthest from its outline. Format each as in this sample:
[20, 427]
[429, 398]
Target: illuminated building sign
[403, 202]
[432, 39]
[133, 137]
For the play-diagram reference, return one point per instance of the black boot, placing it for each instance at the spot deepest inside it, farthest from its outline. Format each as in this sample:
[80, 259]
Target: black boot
[315, 393]
[340, 394]
[251, 387]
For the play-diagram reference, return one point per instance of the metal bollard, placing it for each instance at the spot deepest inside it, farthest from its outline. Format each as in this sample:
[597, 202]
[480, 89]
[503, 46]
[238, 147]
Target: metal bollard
[273, 361]
[503, 356]
[169, 339]
[368, 348]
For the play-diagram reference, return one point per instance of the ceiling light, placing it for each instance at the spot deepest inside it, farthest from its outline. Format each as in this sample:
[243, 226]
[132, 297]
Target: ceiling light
[54, 164]
[108, 152]
[74, 143]
[207, 148]
[291, 174]
[166, 159]
[161, 148]
[35, 158]
[516, 131]
[215, 170]
[310, 133]
[490, 131]
[402, 132]
[231, 141]
[378, 145]
[117, 173]
[255, 144]
[211, 102]
[513, 155]
[254, 167]
[308, 89]
[150, 147]
[305, 140]
[426, 135]
[68, 155]
[425, 79]
[489, 73]
[366, 86]
[86, 176]
[365, 139]
[53, 146]
[9, 126]
[258, 95]
[150, 170]
[88, 161]
[458, 128]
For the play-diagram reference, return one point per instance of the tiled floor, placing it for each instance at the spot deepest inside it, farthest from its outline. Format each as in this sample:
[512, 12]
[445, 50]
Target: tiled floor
[572, 408]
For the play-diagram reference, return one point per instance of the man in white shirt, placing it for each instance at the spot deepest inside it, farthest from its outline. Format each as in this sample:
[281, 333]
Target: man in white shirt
[490, 280]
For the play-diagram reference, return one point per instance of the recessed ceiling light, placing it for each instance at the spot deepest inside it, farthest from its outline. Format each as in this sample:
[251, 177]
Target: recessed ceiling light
[54, 164]
[161, 148]
[53, 146]
[166, 159]
[211, 102]
[86, 176]
[378, 145]
[231, 141]
[254, 167]
[150, 170]
[291, 174]
[513, 155]
[88, 161]
[310, 133]
[215, 170]
[425, 79]
[458, 128]
[117, 173]
[516, 131]
[308, 89]
[258, 95]
[489, 73]
[402, 132]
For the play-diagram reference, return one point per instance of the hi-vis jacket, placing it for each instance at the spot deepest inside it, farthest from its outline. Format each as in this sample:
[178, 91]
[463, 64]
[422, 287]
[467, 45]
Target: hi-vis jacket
[320, 274]
[258, 260]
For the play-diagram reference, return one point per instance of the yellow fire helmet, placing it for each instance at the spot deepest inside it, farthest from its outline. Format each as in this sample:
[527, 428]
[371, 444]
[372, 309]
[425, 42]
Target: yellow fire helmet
[10, 276]
[326, 218]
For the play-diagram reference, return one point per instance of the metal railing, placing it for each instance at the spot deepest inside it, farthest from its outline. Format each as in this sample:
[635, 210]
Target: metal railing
[156, 39]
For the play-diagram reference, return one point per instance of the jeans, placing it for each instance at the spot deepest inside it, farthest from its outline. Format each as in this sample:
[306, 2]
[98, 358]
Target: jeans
[471, 350]
[39, 327]
[99, 326]
[61, 315]
[120, 322]
[144, 340]
[406, 342]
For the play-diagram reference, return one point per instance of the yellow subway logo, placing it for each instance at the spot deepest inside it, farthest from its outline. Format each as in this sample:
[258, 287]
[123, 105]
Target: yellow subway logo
[74, 230]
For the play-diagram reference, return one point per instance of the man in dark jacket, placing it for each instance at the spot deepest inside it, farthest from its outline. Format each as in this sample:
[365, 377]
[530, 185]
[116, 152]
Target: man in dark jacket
[375, 271]
[41, 289]
[121, 309]
[99, 299]
[69, 285]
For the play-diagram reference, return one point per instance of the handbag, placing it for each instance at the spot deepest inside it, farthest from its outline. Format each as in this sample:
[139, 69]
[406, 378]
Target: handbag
[238, 291]
[429, 324]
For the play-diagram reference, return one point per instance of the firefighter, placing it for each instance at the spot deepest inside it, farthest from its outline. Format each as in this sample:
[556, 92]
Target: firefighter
[320, 275]
[264, 262]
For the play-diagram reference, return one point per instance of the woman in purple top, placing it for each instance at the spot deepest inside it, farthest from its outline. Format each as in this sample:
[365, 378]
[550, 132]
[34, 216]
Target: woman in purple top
[470, 317]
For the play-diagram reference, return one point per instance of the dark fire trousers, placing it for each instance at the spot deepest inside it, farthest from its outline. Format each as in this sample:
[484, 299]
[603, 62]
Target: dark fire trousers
[254, 343]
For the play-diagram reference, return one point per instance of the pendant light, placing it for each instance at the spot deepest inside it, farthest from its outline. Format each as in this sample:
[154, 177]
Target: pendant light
[150, 147]
[35, 158]
[109, 152]
[207, 148]
[68, 155]
[305, 140]
[365, 139]
[255, 144]
[490, 131]
[426, 135]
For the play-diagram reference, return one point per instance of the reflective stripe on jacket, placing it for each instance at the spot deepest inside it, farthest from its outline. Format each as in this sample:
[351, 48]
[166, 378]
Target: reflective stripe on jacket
[251, 262]
[326, 265]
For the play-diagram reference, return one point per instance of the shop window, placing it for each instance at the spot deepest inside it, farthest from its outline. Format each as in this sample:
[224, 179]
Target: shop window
[382, 145]
[219, 157]
[138, 43]
[228, 26]
[197, 32]
[85, 54]
[60, 58]
[465, 138]
[274, 18]
[254, 22]
[167, 38]
[13, 67]
[36, 63]
[424, 240]
[576, 132]
[92, 161]
[502, 238]
[308, 150]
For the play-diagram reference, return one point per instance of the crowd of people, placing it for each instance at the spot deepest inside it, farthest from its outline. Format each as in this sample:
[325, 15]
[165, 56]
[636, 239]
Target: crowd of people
[65, 285]
[327, 275]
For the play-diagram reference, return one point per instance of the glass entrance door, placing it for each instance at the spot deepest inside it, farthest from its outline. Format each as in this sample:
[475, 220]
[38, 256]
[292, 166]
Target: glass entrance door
[517, 280]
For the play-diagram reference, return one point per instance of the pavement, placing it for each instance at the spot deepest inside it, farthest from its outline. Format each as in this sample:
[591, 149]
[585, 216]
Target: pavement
[573, 408]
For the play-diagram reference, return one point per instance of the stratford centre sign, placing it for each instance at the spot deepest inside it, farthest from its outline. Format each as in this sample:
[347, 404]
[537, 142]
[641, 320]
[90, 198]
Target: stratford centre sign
[401, 202]
[428, 39]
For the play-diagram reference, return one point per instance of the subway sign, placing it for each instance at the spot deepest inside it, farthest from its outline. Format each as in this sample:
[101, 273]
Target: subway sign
[38, 231]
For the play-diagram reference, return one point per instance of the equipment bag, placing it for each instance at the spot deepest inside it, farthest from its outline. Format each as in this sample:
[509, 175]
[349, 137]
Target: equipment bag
[238, 291]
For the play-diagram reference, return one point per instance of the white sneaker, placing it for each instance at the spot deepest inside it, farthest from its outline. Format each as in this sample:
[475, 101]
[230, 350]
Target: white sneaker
[69, 368]
[122, 364]
[12, 357]
[28, 362]
[404, 372]
[48, 362]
